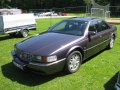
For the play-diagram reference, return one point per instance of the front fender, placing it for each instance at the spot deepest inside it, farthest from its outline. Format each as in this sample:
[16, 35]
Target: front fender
[75, 48]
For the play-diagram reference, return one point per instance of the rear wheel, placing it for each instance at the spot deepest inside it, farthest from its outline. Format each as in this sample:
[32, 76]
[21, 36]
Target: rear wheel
[73, 62]
[111, 44]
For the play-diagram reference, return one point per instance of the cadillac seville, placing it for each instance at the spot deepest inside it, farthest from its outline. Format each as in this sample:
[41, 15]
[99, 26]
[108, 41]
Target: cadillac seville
[64, 46]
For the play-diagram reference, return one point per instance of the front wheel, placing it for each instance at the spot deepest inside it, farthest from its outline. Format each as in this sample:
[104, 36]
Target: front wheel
[73, 62]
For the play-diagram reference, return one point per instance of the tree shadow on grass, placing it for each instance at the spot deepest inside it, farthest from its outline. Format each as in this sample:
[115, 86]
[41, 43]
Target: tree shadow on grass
[110, 85]
[26, 78]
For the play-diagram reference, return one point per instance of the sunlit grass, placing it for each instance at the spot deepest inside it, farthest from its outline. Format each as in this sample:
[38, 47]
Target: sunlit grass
[77, 14]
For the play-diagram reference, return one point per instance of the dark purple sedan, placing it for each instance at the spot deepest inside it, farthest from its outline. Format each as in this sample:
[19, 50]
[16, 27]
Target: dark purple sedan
[64, 46]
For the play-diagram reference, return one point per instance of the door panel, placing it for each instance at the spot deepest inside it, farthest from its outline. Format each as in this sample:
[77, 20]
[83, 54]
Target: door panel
[94, 40]
[105, 33]
[93, 45]
[99, 41]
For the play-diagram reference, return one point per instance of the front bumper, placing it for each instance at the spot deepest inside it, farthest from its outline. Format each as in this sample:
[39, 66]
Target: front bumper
[35, 67]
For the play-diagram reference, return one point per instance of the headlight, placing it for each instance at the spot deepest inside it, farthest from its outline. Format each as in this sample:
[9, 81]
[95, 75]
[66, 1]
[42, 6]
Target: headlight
[51, 58]
[45, 58]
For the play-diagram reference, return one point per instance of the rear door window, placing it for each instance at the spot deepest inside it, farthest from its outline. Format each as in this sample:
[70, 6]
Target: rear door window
[103, 26]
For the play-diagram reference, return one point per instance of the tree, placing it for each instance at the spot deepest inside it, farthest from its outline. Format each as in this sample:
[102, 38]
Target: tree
[37, 4]
[102, 2]
[5, 3]
[87, 2]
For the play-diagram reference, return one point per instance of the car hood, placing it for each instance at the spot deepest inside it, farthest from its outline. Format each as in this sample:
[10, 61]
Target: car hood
[47, 43]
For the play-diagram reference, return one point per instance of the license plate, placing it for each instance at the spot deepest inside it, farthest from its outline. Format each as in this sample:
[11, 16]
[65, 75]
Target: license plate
[18, 65]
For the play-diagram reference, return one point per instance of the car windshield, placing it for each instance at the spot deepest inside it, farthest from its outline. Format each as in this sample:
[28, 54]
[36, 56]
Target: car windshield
[72, 27]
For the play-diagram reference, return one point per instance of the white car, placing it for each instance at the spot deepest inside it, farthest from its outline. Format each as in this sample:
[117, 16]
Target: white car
[49, 14]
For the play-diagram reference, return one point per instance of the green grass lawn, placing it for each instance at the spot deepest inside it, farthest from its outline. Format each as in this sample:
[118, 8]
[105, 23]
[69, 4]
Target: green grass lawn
[97, 73]
[77, 14]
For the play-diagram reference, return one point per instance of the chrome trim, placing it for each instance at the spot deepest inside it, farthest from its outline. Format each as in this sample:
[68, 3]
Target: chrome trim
[47, 64]
[97, 45]
[24, 56]
[13, 31]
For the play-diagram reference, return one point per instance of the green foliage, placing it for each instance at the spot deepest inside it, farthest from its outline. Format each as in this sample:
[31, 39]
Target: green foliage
[37, 4]
[5, 3]
[103, 2]
[87, 2]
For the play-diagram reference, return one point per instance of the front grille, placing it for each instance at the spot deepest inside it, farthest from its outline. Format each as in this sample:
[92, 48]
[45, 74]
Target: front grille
[24, 55]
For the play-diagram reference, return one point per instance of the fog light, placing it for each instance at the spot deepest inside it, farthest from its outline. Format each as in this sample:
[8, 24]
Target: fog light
[38, 57]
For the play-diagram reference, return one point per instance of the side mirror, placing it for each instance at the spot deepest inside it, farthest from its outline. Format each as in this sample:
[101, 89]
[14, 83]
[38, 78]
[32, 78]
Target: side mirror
[91, 33]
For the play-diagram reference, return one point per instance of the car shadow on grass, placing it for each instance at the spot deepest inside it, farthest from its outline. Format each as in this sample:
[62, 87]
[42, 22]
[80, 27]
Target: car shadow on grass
[95, 55]
[30, 79]
[26, 78]
[110, 85]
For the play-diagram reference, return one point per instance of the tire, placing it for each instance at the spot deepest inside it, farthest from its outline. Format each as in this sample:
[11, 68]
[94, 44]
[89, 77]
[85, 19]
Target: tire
[111, 43]
[73, 62]
[24, 33]
[12, 34]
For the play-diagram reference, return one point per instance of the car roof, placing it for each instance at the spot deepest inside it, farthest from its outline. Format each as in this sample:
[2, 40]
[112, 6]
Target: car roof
[83, 18]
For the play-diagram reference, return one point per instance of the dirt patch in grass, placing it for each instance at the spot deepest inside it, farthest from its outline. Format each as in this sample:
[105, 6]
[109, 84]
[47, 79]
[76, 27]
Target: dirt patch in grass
[113, 21]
